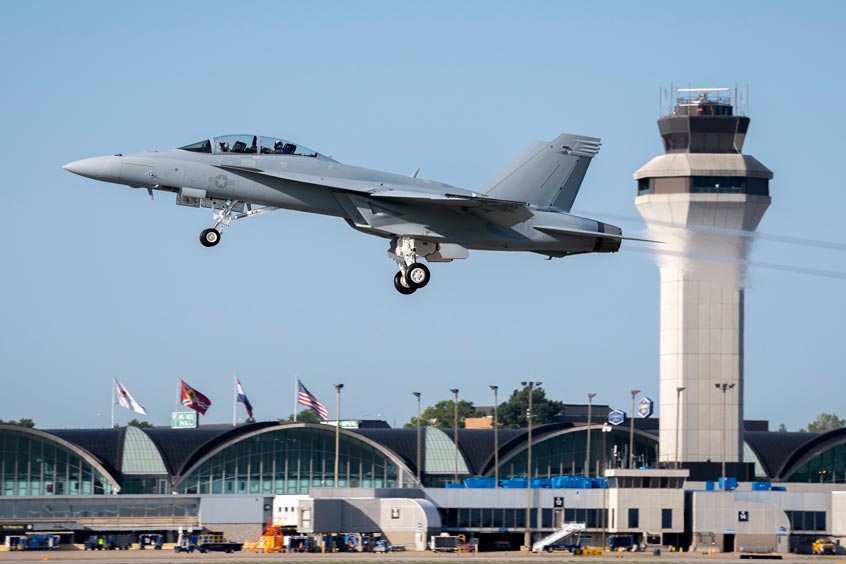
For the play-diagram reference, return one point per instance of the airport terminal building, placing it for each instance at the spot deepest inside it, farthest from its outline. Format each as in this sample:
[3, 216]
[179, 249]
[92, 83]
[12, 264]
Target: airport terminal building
[791, 486]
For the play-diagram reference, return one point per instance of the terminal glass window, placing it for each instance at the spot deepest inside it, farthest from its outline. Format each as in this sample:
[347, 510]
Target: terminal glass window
[564, 454]
[828, 466]
[291, 461]
[34, 466]
[634, 518]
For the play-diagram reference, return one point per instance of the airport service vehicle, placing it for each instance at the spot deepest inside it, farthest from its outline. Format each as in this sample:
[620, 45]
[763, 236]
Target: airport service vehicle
[823, 546]
[153, 540]
[444, 543]
[385, 546]
[206, 543]
[523, 208]
[37, 541]
[549, 542]
[109, 542]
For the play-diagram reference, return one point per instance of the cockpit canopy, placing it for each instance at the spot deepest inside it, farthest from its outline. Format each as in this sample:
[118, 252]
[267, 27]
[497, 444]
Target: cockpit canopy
[249, 144]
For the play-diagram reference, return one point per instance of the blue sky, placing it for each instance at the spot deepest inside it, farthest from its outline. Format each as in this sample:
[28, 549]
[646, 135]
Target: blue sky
[99, 282]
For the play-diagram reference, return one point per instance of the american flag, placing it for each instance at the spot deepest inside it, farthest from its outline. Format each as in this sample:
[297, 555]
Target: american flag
[308, 400]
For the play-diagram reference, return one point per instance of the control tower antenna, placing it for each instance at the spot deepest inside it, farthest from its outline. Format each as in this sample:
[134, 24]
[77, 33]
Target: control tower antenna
[702, 179]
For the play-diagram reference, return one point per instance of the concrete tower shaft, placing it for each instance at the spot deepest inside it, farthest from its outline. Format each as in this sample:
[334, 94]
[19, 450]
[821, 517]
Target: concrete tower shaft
[696, 198]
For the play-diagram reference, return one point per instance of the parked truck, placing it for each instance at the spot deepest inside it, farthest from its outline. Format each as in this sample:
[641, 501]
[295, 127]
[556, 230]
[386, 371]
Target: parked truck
[153, 540]
[109, 542]
[206, 543]
[37, 541]
[444, 543]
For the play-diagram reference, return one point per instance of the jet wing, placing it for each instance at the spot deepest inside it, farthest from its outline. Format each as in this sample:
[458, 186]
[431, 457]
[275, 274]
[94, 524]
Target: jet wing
[326, 181]
[503, 212]
[585, 233]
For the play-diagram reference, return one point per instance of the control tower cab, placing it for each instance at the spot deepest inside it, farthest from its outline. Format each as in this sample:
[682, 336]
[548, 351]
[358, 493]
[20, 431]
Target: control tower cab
[699, 197]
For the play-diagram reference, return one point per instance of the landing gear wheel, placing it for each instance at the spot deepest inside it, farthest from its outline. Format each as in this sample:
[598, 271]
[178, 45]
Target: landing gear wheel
[417, 275]
[210, 237]
[401, 285]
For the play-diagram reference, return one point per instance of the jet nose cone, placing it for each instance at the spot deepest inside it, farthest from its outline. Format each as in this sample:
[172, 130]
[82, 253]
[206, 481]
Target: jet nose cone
[106, 169]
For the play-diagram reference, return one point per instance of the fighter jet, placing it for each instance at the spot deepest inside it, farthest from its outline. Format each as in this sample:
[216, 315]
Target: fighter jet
[523, 208]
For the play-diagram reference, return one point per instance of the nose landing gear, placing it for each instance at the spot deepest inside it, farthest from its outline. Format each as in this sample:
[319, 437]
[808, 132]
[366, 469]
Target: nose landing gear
[209, 237]
[229, 212]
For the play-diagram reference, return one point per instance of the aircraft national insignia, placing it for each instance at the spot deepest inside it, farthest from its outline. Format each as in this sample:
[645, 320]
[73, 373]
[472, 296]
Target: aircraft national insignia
[220, 181]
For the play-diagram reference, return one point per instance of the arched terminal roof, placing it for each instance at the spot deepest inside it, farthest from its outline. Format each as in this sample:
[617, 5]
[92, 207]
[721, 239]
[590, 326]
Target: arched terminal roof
[45, 463]
[822, 458]
[775, 449]
[290, 458]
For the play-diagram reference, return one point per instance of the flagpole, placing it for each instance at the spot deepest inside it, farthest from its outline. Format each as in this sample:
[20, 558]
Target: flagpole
[234, 399]
[114, 387]
[296, 393]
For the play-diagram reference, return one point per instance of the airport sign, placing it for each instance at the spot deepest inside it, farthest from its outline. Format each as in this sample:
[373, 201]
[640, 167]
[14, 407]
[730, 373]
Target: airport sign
[645, 407]
[183, 420]
[616, 417]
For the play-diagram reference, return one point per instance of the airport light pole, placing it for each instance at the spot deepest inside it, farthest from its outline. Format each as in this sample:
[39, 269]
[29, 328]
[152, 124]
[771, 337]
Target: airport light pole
[417, 395]
[631, 430]
[724, 387]
[587, 448]
[455, 430]
[496, 435]
[338, 388]
[527, 539]
[679, 390]
[606, 428]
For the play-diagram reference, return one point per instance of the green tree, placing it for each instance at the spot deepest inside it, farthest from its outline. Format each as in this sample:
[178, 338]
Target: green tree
[826, 422]
[22, 422]
[782, 428]
[141, 424]
[442, 414]
[512, 413]
[306, 416]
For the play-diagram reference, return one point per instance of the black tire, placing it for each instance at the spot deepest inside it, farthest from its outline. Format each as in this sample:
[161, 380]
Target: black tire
[417, 275]
[402, 286]
[209, 237]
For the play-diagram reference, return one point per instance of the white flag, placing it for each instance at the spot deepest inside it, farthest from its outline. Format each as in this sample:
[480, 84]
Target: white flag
[126, 400]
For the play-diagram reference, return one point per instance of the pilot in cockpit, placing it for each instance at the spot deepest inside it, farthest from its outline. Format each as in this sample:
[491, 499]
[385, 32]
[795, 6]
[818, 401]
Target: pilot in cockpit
[224, 147]
[289, 149]
[278, 148]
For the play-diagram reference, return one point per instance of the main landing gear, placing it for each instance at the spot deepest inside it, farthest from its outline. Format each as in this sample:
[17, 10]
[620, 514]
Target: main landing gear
[211, 236]
[412, 275]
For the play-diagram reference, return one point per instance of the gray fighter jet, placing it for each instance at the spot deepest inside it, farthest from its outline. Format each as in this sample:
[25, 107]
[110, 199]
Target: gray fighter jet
[523, 208]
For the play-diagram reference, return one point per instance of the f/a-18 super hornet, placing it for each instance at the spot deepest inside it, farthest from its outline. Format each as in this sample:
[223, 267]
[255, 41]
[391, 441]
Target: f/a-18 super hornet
[523, 208]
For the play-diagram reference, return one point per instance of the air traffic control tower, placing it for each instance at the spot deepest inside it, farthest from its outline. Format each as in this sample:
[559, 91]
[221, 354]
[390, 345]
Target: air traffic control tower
[702, 198]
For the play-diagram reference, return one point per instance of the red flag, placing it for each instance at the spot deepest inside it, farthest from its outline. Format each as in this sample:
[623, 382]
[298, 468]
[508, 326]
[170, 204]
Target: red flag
[193, 399]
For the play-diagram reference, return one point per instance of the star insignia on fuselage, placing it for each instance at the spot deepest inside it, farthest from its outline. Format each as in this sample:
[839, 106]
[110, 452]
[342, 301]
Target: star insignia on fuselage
[220, 182]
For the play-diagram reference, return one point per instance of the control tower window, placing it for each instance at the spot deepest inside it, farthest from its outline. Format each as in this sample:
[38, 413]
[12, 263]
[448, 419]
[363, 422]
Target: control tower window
[643, 187]
[717, 185]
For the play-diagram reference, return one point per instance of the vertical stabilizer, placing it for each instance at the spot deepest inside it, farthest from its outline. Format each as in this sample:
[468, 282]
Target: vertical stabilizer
[546, 174]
